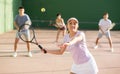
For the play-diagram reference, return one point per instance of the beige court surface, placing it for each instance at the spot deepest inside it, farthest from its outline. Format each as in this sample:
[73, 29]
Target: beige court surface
[108, 62]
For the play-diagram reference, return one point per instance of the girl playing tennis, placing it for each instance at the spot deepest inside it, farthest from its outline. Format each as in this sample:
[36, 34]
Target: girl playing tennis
[75, 43]
[60, 25]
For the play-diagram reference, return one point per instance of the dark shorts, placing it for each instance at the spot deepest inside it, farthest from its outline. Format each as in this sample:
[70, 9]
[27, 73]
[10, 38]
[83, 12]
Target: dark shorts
[63, 28]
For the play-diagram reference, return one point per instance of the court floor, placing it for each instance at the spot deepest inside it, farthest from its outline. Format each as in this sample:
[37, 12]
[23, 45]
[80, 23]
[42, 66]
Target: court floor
[108, 62]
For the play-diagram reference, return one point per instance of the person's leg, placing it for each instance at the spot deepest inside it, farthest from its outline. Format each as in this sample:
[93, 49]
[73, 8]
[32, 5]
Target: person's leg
[15, 44]
[109, 40]
[29, 51]
[15, 47]
[97, 40]
[57, 37]
[64, 32]
[110, 43]
[96, 43]
[27, 35]
[28, 46]
[16, 41]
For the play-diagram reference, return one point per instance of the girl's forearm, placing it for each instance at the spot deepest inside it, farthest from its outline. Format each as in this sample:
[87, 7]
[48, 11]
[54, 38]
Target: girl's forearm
[79, 38]
[57, 52]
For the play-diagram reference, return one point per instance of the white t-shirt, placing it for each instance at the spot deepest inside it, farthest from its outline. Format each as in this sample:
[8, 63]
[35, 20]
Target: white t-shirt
[60, 24]
[79, 50]
[104, 24]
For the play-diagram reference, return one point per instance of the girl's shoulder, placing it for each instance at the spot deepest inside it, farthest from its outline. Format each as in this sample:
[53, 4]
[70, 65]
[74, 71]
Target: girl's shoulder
[66, 35]
[80, 32]
[66, 38]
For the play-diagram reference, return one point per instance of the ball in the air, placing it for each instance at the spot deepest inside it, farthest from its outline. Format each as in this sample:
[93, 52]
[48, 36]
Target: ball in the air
[43, 9]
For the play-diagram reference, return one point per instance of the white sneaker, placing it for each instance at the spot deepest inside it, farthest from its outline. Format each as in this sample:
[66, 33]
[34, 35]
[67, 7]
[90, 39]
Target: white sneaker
[15, 54]
[95, 47]
[112, 50]
[29, 54]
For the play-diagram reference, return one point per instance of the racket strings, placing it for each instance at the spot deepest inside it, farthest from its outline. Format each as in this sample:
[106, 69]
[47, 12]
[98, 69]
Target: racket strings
[26, 33]
[112, 25]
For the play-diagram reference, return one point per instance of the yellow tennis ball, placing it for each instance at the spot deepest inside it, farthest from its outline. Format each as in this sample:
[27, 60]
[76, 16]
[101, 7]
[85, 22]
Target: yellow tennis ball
[43, 9]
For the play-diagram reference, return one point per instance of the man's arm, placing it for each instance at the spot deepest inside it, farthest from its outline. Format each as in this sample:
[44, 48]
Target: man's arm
[16, 26]
[101, 29]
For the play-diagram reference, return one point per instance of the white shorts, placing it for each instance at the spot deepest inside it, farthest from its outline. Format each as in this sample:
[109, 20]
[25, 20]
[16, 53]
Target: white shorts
[25, 33]
[107, 34]
[89, 67]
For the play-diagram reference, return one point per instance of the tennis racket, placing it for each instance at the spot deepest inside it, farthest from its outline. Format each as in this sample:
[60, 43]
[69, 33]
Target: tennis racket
[27, 34]
[111, 26]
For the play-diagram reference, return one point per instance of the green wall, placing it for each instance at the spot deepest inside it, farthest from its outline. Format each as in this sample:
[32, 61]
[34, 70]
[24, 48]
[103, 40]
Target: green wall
[2, 16]
[88, 12]
[7, 14]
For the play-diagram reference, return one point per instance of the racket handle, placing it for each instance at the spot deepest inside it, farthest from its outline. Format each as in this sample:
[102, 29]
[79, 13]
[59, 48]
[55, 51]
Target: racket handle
[44, 51]
[42, 48]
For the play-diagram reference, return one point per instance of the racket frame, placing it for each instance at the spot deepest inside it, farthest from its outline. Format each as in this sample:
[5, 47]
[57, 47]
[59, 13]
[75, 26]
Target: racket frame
[31, 41]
